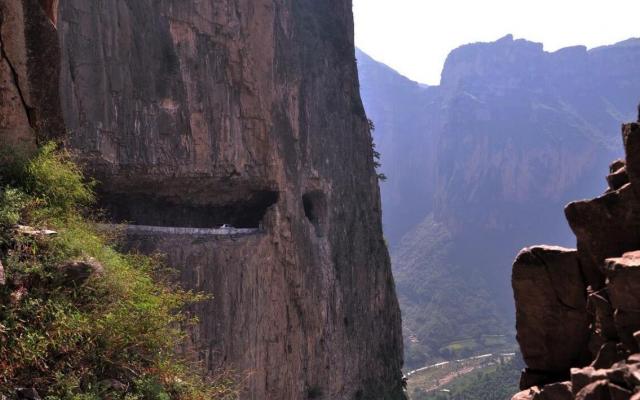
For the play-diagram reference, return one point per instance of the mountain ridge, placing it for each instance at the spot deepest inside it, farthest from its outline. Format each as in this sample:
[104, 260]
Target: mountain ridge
[491, 156]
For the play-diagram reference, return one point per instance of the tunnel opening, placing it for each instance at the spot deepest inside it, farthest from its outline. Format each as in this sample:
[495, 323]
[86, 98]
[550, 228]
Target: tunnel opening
[315, 209]
[246, 211]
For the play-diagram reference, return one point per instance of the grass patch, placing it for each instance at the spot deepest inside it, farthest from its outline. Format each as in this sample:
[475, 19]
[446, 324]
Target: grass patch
[110, 332]
[462, 345]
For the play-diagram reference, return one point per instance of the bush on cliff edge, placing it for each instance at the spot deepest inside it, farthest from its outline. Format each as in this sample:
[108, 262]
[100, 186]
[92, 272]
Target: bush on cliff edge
[78, 319]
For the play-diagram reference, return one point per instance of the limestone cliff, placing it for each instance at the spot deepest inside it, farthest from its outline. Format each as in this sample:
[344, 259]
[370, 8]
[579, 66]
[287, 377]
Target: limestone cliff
[245, 112]
[578, 311]
[29, 68]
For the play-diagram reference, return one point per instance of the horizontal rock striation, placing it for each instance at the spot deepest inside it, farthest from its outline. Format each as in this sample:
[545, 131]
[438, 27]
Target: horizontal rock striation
[578, 311]
[244, 112]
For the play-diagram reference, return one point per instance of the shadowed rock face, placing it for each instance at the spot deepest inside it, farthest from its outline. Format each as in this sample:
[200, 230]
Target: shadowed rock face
[186, 108]
[584, 306]
[29, 69]
[50, 8]
[605, 227]
[551, 298]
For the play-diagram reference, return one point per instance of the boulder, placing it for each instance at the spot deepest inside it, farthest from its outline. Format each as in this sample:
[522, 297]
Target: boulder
[623, 285]
[34, 232]
[524, 395]
[619, 374]
[583, 377]
[624, 280]
[604, 227]
[551, 317]
[77, 273]
[616, 165]
[556, 391]
[617, 179]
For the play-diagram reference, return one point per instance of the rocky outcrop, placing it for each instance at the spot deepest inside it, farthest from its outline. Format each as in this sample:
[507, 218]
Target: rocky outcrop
[551, 320]
[29, 69]
[586, 302]
[197, 114]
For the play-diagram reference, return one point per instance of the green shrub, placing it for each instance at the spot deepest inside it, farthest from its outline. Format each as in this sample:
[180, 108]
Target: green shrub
[65, 339]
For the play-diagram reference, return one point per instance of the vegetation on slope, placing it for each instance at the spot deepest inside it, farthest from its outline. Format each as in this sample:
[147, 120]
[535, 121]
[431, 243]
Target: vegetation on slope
[448, 312]
[78, 319]
[497, 382]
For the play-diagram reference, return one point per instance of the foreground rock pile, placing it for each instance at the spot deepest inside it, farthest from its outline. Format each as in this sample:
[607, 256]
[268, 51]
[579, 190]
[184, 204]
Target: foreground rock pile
[578, 310]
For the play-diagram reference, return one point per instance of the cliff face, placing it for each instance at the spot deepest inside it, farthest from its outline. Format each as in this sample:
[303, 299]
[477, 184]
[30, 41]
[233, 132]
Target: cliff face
[197, 114]
[577, 310]
[484, 162]
[29, 68]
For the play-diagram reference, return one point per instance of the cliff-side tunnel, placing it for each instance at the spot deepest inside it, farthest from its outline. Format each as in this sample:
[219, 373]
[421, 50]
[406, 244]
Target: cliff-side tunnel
[194, 114]
[246, 210]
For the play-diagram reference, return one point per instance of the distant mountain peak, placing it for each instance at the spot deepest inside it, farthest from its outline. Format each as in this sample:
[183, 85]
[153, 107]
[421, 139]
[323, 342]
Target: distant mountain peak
[481, 165]
[490, 60]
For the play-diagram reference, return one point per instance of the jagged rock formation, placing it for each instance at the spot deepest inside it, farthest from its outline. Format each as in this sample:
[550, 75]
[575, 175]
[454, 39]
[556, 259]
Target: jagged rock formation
[578, 311]
[485, 161]
[29, 69]
[197, 114]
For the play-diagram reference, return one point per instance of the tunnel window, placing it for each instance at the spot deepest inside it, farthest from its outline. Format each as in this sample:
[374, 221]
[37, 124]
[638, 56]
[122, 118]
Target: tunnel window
[315, 209]
[246, 211]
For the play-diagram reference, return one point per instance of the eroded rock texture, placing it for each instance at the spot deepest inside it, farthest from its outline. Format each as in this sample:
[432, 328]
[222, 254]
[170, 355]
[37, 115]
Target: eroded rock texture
[245, 112]
[578, 312]
[29, 70]
[550, 308]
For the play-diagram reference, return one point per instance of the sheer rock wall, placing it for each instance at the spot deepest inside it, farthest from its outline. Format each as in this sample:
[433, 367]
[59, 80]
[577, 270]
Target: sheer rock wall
[187, 107]
[29, 69]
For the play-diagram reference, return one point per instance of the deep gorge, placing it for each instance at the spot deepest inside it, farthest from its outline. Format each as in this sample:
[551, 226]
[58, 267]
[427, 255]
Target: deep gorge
[198, 114]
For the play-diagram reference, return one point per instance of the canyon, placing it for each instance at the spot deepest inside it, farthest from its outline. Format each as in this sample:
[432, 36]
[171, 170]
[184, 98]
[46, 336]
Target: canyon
[231, 138]
[192, 115]
[481, 165]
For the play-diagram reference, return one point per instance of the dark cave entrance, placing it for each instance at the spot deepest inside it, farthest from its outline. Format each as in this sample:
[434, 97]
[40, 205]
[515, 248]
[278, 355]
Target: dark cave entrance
[246, 211]
[315, 209]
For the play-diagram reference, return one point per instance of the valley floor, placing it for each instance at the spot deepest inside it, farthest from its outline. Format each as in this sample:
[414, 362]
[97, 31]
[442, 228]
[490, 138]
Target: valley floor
[437, 381]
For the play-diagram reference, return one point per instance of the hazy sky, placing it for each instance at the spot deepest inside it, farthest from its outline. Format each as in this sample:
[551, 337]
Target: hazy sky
[415, 36]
